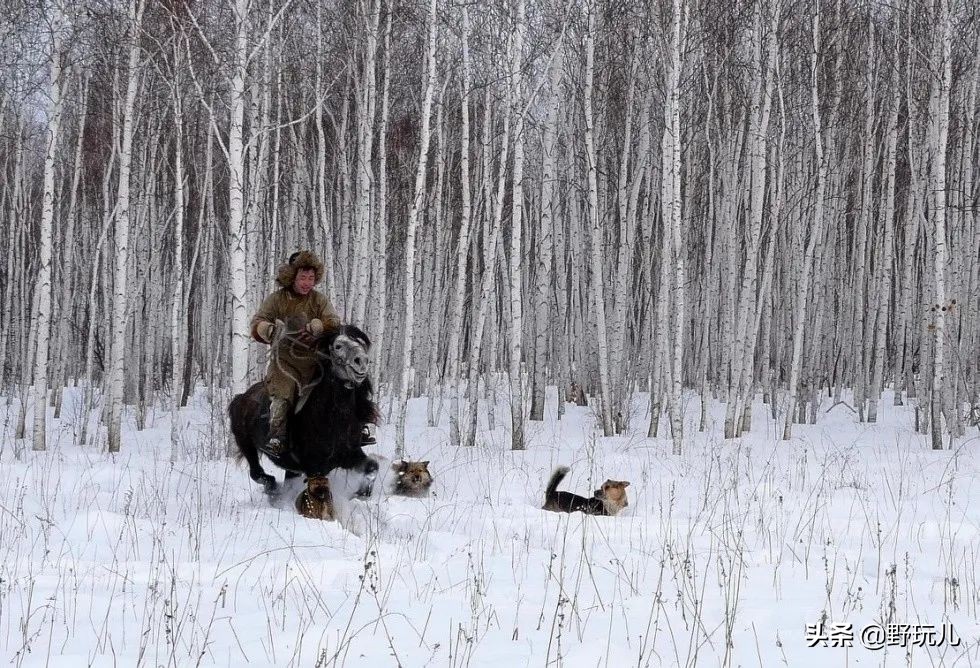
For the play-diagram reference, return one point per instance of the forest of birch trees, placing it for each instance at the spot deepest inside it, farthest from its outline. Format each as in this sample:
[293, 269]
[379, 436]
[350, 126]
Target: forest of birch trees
[768, 199]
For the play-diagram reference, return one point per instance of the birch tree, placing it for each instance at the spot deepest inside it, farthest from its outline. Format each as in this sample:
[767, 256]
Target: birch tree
[671, 203]
[43, 327]
[938, 139]
[764, 57]
[413, 220]
[463, 245]
[598, 296]
[490, 246]
[516, 245]
[816, 230]
[888, 222]
[365, 174]
[547, 220]
[237, 237]
[610, 221]
[120, 283]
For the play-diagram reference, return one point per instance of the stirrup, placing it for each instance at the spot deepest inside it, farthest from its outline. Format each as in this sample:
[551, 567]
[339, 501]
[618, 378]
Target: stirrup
[275, 447]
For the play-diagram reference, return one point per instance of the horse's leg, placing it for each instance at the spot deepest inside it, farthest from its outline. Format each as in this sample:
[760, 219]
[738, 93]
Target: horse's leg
[243, 411]
[258, 474]
[368, 469]
[268, 482]
[255, 470]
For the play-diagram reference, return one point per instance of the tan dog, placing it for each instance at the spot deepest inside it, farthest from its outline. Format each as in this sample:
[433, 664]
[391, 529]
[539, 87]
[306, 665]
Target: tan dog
[411, 478]
[607, 500]
[316, 501]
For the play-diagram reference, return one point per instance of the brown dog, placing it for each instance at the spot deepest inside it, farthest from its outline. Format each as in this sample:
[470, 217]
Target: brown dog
[412, 478]
[607, 500]
[316, 501]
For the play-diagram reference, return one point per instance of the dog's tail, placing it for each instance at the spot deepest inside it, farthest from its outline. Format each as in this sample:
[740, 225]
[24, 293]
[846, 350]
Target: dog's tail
[556, 478]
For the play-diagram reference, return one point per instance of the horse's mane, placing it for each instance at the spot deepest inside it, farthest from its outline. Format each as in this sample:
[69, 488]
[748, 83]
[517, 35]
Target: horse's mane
[350, 331]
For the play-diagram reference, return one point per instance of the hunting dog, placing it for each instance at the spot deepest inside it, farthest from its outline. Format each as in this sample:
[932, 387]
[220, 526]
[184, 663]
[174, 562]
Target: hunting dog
[607, 500]
[316, 501]
[411, 478]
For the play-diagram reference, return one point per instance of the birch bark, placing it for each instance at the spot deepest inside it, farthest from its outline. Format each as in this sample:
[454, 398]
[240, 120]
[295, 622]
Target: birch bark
[671, 203]
[365, 173]
[595, 255]
[544, 275]
[237, 235]
[885, 265]
[939, 137]
[43, 322]
[816, 232]
[516, 243]
[463, 247]
[121, 287]
[413, 219]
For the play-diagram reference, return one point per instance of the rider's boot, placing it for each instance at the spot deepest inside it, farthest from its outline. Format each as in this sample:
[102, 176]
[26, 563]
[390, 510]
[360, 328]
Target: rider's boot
[278, 415]
[367, 434]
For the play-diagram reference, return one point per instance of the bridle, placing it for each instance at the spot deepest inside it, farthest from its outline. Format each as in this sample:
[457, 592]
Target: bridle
[329, 357]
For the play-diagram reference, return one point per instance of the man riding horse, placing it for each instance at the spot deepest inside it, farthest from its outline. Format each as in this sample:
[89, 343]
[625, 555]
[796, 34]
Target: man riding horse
[294, 364]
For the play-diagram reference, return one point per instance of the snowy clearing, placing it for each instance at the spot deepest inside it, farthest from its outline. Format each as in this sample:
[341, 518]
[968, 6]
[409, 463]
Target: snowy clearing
[725, 554]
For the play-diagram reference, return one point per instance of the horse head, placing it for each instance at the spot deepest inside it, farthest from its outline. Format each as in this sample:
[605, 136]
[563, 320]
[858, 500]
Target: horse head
[348, 350]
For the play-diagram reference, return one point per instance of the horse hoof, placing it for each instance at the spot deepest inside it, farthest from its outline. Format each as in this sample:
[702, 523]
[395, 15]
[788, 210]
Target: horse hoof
[269, 484]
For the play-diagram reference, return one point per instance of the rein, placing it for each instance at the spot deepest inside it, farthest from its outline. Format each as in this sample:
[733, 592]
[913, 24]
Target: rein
[292, 338]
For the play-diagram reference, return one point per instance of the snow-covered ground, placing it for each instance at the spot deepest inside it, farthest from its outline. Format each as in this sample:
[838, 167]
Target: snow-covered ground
[168, 555]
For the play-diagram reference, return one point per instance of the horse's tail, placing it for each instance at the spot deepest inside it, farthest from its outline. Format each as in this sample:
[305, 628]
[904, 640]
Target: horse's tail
[236, 414]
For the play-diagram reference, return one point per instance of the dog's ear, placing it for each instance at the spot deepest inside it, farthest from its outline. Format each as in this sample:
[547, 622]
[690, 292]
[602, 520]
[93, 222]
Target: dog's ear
[425, 464]
[397, 466]
[625, 483]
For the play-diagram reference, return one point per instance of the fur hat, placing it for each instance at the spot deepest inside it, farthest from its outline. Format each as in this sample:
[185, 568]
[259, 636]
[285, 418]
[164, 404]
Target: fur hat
[304, 259]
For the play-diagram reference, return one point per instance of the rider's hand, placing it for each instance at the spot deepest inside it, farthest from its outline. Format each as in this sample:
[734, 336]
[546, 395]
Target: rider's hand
[315, 327]
[270, 331]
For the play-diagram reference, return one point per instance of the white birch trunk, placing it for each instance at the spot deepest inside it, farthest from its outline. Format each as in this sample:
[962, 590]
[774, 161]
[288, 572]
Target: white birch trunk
[380, 280]
[178, 333]
[120, 285]
[816, 234]
[938, 139]
[544, 274]
[417, 203]
[463, 248]
[764, 66]
[860, 352]
[43, 326]
[325, 226]
[596, 278]
[14, 230]
[237, 237]
[365, 174]
[671, 202]
[885, 265]
[516, 246]
[490, 247]
[70, 254]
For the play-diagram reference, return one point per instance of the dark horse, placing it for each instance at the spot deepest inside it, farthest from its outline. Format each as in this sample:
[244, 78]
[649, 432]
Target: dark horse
[325, 433]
